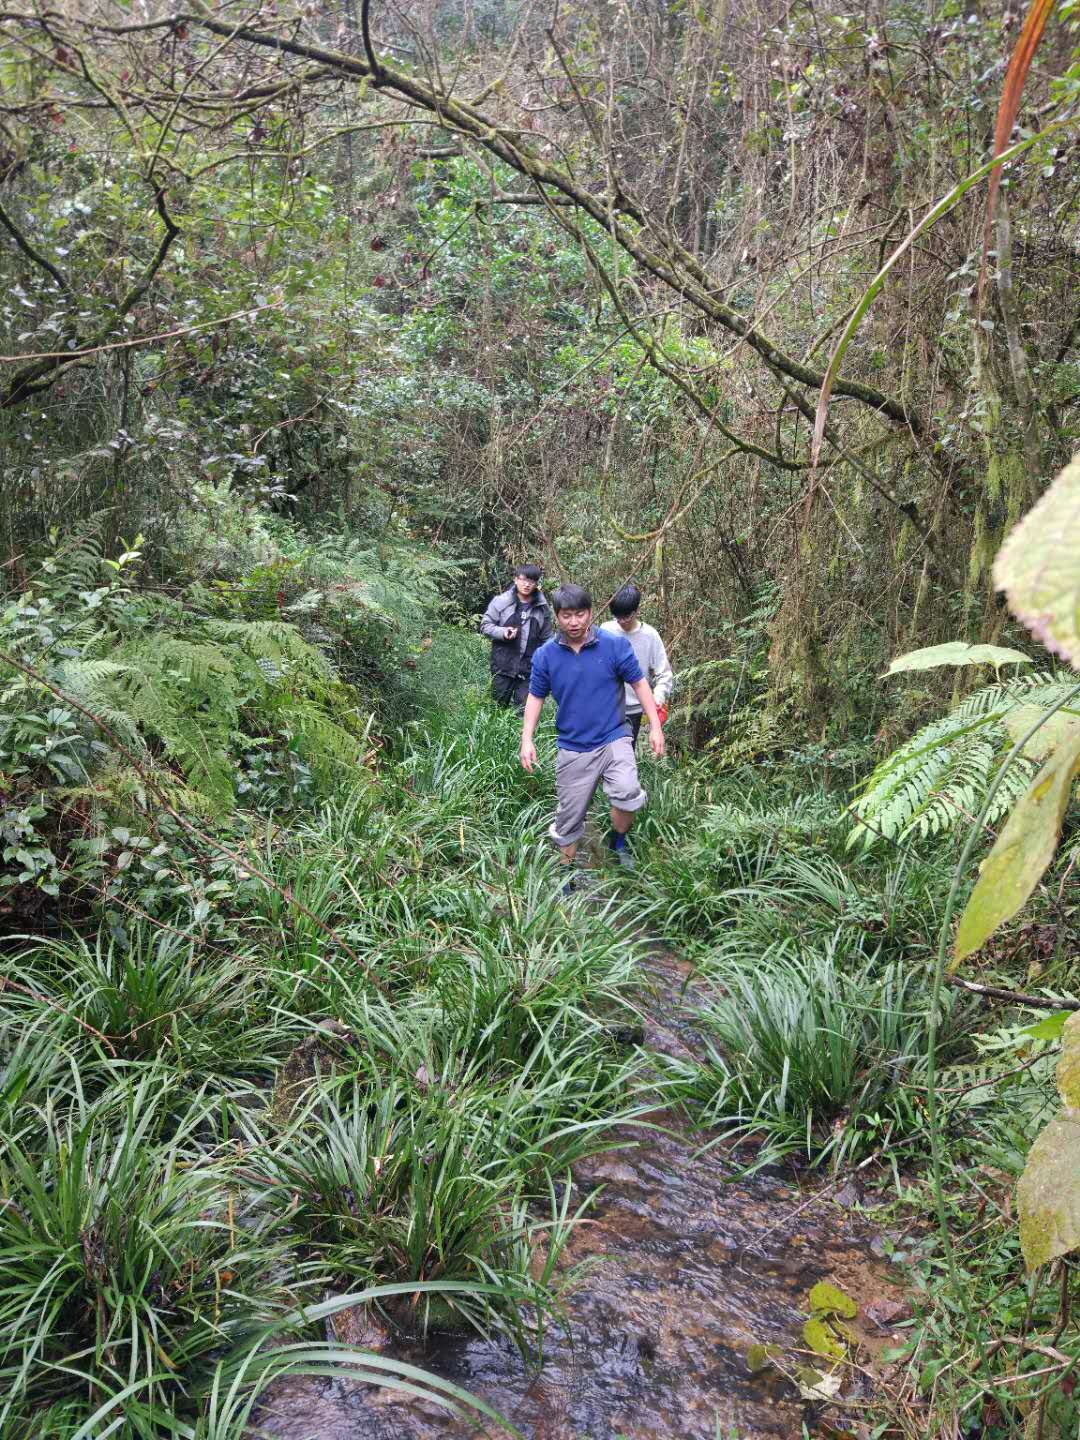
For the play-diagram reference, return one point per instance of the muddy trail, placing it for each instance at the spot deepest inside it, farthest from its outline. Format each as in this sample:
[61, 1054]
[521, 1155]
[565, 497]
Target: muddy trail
[690, 1266]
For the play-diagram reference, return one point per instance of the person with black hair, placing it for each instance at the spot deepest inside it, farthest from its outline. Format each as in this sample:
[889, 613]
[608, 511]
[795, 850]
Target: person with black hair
[517, 623]
[585, 669]
[649, 649]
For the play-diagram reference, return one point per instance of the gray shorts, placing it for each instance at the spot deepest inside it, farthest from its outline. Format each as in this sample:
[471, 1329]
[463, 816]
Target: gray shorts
[577, 775]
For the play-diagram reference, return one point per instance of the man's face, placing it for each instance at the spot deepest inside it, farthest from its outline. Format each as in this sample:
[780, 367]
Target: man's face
[574, 624]
[627, 622]
[526, 588]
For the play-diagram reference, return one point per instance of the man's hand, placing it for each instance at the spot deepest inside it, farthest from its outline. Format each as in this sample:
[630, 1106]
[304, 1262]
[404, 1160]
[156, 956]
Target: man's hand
[528, 755]
[509, 632]
[656, 740]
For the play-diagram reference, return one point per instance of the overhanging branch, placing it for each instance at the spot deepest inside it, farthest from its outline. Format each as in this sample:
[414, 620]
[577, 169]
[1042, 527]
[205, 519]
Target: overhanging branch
[668, 261]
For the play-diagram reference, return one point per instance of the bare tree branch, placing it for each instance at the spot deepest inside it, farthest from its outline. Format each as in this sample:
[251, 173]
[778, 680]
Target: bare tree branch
[29, 251]
[630, 227]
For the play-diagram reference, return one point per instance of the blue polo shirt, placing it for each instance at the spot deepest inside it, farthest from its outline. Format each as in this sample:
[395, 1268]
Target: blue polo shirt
[588, 687]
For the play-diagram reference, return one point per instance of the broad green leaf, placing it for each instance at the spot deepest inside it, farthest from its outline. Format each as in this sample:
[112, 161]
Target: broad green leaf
[1021, 852]
[1048, 1195]
[1038, 566]
[1056, 730]
[1048, 1029]
[826, 1299]
[1068, 1067]
[759, 1357]
[823, 1340]
[956, 652]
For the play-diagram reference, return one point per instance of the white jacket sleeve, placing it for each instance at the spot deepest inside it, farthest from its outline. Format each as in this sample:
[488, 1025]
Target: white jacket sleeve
[663, 679]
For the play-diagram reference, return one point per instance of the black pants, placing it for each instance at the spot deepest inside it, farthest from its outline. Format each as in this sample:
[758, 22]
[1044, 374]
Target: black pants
[634, 721]
[509, 690]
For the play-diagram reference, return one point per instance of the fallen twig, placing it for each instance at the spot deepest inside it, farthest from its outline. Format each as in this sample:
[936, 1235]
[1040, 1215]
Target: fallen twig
[1012, 997]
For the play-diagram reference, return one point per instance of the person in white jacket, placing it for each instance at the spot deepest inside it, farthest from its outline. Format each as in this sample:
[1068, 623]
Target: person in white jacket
[650, 652]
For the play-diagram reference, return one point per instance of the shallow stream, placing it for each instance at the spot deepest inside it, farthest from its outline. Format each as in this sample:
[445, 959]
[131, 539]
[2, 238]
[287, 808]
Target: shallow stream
[690, 1268]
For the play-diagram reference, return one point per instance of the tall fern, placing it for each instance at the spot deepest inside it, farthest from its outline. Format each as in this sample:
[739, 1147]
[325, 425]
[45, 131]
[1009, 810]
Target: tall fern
[194, 697]
[939, 777]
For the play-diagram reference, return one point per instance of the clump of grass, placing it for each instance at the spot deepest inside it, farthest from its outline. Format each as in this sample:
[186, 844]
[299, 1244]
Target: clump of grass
[127, 1265]
[164, 1215]
[419, 1181]
[810, 993]
[160, 995]
[818, 1051]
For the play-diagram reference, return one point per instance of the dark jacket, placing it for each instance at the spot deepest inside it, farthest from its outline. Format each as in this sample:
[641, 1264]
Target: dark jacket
[506, 659]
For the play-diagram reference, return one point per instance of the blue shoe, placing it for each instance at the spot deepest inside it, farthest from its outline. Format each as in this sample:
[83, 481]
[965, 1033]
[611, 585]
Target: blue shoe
[620, 853]
[568, 886]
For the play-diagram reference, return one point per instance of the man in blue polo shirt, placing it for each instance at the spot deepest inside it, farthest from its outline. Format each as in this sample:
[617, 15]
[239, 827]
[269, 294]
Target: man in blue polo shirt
[586, 668]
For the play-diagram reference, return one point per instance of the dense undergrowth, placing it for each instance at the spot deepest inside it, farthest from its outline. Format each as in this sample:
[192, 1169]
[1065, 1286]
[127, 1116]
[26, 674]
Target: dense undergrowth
[293, 1009]
[811, 987]
[173, 1178]
[289, 1012]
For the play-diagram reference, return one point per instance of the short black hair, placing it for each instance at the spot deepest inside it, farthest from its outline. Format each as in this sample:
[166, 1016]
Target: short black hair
[625, 601]
[571, 597]
[529, 572]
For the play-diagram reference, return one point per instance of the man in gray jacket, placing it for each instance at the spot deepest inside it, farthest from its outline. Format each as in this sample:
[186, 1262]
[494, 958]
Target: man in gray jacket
[649, 649]
[517, 623]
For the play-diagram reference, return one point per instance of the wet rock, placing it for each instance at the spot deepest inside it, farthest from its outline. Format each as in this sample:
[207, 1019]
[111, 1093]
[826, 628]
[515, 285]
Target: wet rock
[885, 1312]
[359, 1327]
[318, 1053]
[609, 1168]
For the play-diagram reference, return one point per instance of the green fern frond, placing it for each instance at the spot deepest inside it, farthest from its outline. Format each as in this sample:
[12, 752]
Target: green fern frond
[939, 778]
[196, 662]
[185, 693]
[94, 683]
[753, 730]
[271, 640]
[323, 743]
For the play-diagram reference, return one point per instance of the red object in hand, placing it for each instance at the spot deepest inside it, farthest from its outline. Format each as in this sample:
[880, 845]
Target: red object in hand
[661, 712]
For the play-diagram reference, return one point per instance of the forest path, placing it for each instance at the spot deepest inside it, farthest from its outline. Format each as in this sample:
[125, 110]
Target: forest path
[689, 1267]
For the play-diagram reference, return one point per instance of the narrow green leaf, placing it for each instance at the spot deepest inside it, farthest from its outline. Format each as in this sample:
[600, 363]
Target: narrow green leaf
[1021, 852]
[1048, 1194]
